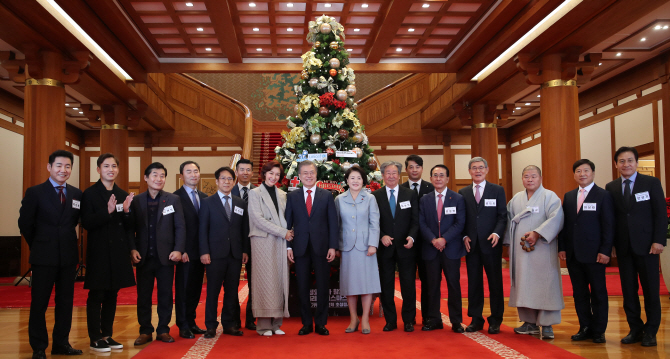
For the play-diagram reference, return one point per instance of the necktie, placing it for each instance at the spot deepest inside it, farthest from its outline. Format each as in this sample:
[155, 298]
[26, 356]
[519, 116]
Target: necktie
[478, 197]
[440, 204]
[415, 186]
[195, 201]
[61, 194]
[580, 201]
[308, 202]
[245, 196]
[226, 206]
[626, 192]
[392, 203]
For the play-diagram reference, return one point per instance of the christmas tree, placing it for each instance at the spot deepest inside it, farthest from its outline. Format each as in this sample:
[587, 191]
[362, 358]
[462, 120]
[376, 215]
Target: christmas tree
[325, 128]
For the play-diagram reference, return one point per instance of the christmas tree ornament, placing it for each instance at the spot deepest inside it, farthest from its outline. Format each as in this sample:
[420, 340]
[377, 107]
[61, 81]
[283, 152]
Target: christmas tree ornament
[372, 164]
[351, 90]
[334, 45]
[317, 44]
[323, 111]
[350, 101]
[315, 138]
[330, 152]
[358, 152]
[304, 75]
[313, 82]
[358, 137]
[354, 106]
[355, 165]
[334, 63]
[325, 28]
[343, 133]
[333, 72]
[346, 165]
[296, 108]
[341, 95]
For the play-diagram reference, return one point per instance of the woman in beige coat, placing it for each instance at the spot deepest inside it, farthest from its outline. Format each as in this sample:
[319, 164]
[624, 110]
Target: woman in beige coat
[268, 233]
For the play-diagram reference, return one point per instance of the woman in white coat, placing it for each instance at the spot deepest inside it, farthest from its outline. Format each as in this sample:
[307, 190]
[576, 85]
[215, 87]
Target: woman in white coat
[268, 233]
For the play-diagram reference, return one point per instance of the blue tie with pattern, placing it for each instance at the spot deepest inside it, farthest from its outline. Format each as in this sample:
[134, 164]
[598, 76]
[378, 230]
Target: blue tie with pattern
[392, 203]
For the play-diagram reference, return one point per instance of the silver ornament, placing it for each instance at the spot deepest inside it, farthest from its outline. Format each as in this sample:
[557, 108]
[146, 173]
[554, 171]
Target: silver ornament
[334, 63]
[315, 138]
[313, 82]
[354, 106]
[346, 165]
[341, 95]
[358, 137]
[325, 28]
[350, 101]
[351, 90]
[358, 152]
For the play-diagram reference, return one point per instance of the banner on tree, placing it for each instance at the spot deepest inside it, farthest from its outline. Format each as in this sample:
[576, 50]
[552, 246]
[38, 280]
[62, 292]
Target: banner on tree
[350, 154]
[330, 185]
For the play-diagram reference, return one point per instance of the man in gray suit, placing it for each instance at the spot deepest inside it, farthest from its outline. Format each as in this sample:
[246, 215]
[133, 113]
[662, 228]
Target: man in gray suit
[160, 240]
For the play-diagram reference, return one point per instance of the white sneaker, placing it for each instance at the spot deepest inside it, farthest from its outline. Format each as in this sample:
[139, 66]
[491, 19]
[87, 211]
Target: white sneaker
[267, 334]
[279, 332]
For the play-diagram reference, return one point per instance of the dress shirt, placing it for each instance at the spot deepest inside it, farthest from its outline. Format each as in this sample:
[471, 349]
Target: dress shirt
[53, 183]
[189, 191]
[587, 189]
[240, 186]
[418, 185]
[444, 196]
[395, 194]
[230, 200]
[304, 192]
[481, 189]
[623, 183]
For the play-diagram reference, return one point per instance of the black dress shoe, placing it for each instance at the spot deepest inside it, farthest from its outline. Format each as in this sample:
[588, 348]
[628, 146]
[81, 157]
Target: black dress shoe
[432, 326]
[65, 350]
[250, 326]
[409, 327]
[39, 354]
[196, 330]
[413, 322]
[583, 334]
[632, 337]
[321, 330]
[210, 333]
[306, 329]
[186, 333]
[233, 332]
[599, 338]
[390, 326]
[474, 327]
[238, 326]
[648, 340]
[494, 328]
[457, 328]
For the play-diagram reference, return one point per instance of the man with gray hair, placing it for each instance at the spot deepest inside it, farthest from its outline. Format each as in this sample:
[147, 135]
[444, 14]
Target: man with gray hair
[399, 226]
[485, 222]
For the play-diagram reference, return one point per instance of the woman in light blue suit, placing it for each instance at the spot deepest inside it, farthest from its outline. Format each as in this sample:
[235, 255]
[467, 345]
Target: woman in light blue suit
[359, 238]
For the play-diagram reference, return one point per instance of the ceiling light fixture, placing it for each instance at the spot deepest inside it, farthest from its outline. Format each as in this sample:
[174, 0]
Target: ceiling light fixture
[289, 49]
[527, 103]
[600, 64]
[81, 112]
[200, 29]
[357, 30]
[410, 30]
[259, 49]
[531, 35]
[350, 50]
[364, 6]
[256, 29]
[289, 29]
[618, 54]
[67, 104]
[425, 6]
[398, 49]
[657, 27]
[59, 14]
[252, 4]
[538, 95]
[643, 39]
[289, 5]
[208, 49]
[75, 108]
[665, 27]
[518, 108]
[327, 5]
[189, 4]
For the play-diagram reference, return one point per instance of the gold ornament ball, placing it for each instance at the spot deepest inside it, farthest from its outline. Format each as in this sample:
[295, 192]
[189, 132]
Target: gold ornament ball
[332, 72]
[334, 63]
[317, 44]
[358, 152]
[350, 101]
[315, 138]
[325, 28]
[351, 90]
[313, 82]
[372, 164]
[334, 45]
[358, 137]
[304, 75]
[323, 111]
[341, 95]
[346, 165]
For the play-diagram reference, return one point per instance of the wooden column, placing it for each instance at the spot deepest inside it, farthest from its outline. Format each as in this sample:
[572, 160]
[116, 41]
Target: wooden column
[484, 138]
[666, 134]
[114, 139]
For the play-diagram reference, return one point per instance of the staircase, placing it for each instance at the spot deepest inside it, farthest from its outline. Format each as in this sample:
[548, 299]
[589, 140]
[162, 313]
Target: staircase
[264, 149]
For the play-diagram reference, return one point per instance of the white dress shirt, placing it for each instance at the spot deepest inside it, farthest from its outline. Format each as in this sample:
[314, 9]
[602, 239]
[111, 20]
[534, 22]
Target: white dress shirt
[481, 189]
[304, 192]
[189, 192]
[632, 182]
[588, 189]
[418, 185]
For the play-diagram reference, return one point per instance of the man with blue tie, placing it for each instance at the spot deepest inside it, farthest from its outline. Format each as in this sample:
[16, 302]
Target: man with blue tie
[311, 213]
[585, 243]
[442, 218]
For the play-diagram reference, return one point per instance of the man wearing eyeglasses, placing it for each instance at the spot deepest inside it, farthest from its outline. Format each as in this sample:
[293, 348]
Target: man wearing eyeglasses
[224, 247]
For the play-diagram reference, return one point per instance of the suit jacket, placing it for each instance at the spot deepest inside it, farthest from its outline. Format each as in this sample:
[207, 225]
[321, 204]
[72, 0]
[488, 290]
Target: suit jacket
[450, 227]
[170, 228]
[320, 228]
[405, 224]
[48, 226]
[359, 221]
[236, 190]
[641, 223]
[425, 188]
[219, 236]
[587, 233]
[191, 220]
[481, 221]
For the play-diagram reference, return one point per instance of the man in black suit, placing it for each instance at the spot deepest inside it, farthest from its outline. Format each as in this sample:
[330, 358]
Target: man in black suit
[48, 219]
[243, 170]
[414, 166]
[485, 222]
[311, 213]
[190, 271]
[399, 229]
[224, 247]
[641, 224]
[585, 243]
[442, 218]
[160, 240]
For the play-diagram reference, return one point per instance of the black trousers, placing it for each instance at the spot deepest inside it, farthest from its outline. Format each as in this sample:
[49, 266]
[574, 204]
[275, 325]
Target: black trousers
[407, 278]
[100, 313]
[646, 267]
[224, 272]
[151, 270]
[43, 281]
[452, 272]
[187, 291]
[590, 304]
[476, 263]
[303, 270]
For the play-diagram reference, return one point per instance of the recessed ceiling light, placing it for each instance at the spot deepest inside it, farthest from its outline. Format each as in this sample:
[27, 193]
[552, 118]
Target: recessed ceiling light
[208, 49]
[518, 108]
[255, 29]
[289, 49]
[364, 6]
[657, 27]
[513, 111]
[425, 6]
[200, 29]
[252, 4]
[410, 30]
[643, 39]
[81, 112]
[618, 54]
[259, 49]
[289, 29]
[75, 108]
[538, 95]
[398, 49]
[600, 64]
[289, 5]
[350, 50]
[665, 27]
[67, 104]
[327, 5]
[357, 30]
[527, 103]
[189, 4]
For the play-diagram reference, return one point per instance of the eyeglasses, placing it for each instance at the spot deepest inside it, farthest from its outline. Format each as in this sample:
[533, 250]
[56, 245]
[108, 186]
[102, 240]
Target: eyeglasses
[480, 168]
[226, 179]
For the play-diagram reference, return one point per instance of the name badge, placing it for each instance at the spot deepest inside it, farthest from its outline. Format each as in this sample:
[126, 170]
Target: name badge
[119, 207]
[238, 210]
[588, 206]
[642, 196]
[534, 209]
[450, 210]
[405, 204]
[489, 203]
[167, 210]
[76, 204]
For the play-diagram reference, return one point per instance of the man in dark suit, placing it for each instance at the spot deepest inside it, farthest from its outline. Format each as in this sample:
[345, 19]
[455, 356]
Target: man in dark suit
[160, 240]
[585, 243]
[243, 170]
[190, 271]
[485, 223]
[48, 219]
[224, 247]
[311, 213]
[414, 166]
[399, 229]
[442, 219]
[641, 224]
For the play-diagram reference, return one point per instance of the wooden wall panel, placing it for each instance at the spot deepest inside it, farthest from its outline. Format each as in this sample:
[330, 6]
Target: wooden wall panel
[183, 94]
